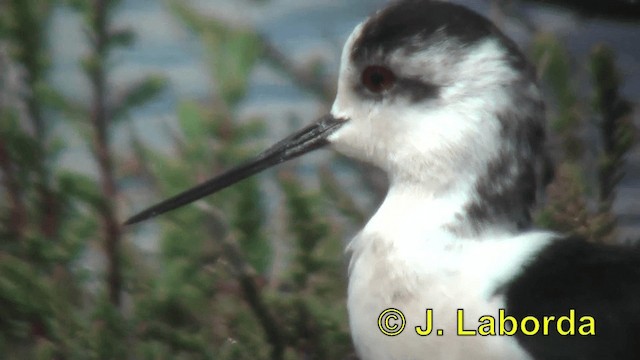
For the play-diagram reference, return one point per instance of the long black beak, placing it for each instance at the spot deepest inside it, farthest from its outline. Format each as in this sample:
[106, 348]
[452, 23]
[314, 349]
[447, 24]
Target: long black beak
[303, 141]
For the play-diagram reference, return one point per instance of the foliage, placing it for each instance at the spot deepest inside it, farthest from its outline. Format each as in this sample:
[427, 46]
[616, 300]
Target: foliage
[580, 199]
[216, 286]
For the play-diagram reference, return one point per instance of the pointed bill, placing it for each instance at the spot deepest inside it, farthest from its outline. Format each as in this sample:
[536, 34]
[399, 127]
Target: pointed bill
[303, 141]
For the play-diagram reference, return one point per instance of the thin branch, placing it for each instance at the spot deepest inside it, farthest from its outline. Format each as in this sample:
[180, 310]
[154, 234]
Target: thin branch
[100, 121]
[247, 277]
[18, 211]
[29, 33]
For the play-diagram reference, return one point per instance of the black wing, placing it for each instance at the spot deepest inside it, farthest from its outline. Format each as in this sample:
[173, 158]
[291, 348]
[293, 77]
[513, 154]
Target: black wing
[593, 279]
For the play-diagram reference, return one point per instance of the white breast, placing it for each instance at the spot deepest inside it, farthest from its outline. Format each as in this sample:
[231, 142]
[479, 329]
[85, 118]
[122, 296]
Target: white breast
[416, 269]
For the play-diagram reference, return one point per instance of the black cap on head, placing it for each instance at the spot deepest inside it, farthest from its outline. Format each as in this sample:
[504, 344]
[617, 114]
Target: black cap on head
[403, 22]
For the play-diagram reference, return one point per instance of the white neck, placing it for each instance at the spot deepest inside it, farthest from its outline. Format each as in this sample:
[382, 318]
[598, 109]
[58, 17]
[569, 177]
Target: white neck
[411, 210]
[416, 224]
[416, 209]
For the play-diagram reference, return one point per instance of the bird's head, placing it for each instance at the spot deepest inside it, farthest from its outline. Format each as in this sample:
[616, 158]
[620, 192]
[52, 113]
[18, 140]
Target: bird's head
[431, 91]
[436, 96]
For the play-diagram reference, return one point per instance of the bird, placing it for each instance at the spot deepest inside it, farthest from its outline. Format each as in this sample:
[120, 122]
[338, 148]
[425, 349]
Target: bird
[450, 265]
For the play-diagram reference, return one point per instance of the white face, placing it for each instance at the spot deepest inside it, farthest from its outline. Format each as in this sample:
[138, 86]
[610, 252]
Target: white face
[430, 140]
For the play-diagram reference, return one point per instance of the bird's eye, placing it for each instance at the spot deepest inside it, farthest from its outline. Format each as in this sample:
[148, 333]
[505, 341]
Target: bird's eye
[378, 78]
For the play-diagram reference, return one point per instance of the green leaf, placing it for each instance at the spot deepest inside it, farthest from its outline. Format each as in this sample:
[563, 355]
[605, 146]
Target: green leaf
[556, 70]
[53, 98]
[233, 52]
[233, 58]
[90, 64]
[306, 223]
[23, 149]
[191, 121]
[123, 37]
[249, 218]
[24, 296]
[109, 331]
[81, 6]
[190, 17]
[81, 187]
[138, 94]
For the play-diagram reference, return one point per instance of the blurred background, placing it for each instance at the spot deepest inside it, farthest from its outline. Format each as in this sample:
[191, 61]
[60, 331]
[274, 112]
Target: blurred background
[108, 106]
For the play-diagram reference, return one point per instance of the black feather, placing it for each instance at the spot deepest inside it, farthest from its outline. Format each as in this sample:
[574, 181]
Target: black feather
[593, 279]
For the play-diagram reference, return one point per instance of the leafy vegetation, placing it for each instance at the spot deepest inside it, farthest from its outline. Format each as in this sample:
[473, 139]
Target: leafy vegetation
[224, 282]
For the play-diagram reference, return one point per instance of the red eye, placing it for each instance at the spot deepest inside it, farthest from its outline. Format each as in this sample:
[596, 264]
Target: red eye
[378, 78]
